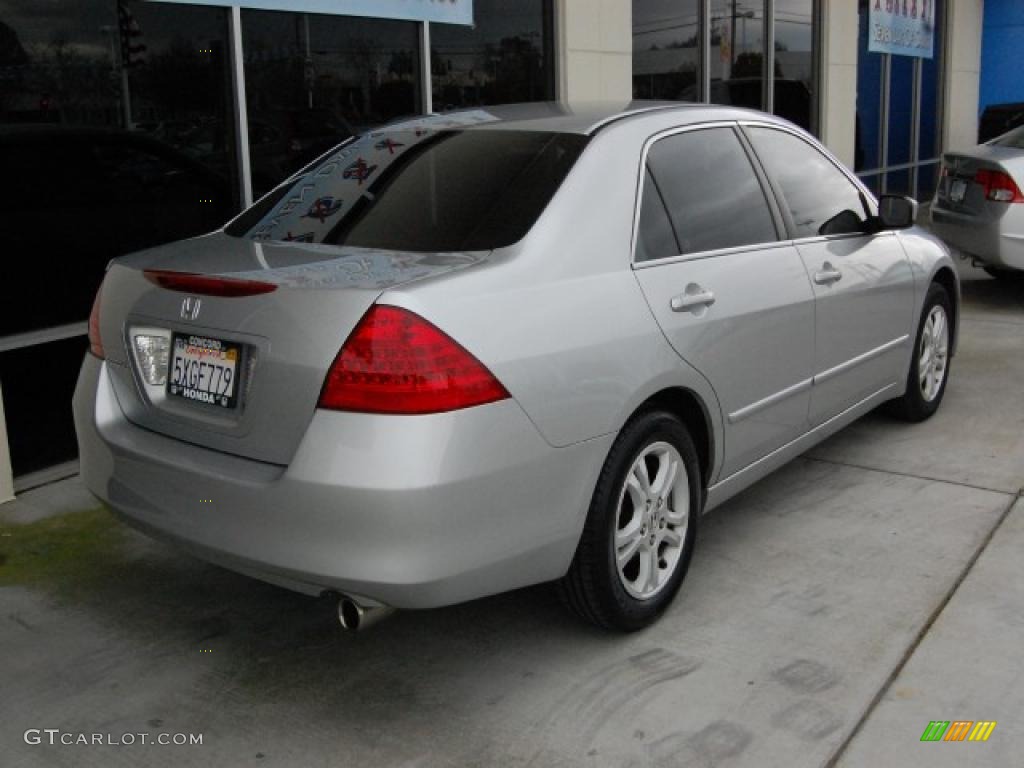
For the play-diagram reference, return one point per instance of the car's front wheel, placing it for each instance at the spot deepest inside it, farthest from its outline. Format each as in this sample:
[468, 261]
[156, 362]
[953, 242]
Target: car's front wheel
[929, 366]
[638, 539]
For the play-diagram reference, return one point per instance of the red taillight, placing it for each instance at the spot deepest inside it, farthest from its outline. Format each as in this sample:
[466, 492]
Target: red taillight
[95, 342]
[207, 285]
[396, 362]
[999, 186]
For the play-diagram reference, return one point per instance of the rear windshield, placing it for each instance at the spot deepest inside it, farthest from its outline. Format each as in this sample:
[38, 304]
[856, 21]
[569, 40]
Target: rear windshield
[419, 190]
[1014, 139]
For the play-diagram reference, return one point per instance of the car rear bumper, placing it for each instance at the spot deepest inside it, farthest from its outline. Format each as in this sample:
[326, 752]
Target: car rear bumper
[411, 511]
[998, 242]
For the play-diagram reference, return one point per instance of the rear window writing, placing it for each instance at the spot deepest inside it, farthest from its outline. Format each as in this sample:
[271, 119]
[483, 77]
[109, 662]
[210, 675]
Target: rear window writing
[419, 190]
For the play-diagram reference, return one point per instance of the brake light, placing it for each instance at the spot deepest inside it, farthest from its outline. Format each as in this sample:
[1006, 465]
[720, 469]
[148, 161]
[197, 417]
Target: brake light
[207, 285]
[999, 186]
[396, 362]
[95, 342]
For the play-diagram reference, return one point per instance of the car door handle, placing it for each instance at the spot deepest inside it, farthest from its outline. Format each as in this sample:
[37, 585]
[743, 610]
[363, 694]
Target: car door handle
[827, 275]
[694, 298]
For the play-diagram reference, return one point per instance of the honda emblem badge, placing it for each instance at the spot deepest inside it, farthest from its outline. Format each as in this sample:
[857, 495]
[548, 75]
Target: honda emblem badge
[190, 308]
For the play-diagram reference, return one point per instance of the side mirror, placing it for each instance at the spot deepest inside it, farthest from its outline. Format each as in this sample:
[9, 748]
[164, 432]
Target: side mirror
[896, 212]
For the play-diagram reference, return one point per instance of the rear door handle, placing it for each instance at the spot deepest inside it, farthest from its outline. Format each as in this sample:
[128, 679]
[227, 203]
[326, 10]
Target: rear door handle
[694, 298]
[827, 274]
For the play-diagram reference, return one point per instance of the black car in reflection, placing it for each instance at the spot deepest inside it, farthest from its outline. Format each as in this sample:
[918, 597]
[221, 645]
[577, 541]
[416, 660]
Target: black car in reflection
[280, 142]
[76, 198]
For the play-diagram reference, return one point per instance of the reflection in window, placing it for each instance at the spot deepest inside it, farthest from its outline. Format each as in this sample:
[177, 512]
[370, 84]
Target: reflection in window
[666, 36]
[655, 238]
[869, 98]
[502, 59]
[313, 81]
[108, 160]
[131, 161]
[794, 61]
[737, 52]
[727, 208]
[820, 198]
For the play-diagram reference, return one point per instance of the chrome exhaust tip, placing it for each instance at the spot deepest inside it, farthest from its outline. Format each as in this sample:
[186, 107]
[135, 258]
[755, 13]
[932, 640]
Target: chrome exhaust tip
[356, 616]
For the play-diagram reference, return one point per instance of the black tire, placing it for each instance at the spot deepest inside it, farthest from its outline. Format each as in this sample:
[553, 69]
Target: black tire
[913, 406]
[593, 587]
[1006, 275]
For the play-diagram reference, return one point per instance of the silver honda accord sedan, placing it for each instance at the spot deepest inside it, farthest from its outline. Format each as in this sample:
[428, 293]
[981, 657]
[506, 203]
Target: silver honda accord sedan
[979, 207]
[473, 352]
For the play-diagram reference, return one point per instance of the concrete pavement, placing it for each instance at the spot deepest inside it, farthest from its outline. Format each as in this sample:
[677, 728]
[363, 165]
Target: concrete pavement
[969, 667]
[831, 611]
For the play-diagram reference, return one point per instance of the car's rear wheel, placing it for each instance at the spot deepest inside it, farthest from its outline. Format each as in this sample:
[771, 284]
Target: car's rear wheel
[929, 366]
[638, 539]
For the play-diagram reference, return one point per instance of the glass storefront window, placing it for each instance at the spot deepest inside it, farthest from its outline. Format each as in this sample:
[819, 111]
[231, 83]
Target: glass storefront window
[928, 146]
[894, 126]
[313, 81]
[108, 159]
[869, 99]
[95, 181]
[794, 61]
[180, 94]
[666, 37]
[900, 124]
[901, 104]
[667, 56]
[737, 53]
[504, 58]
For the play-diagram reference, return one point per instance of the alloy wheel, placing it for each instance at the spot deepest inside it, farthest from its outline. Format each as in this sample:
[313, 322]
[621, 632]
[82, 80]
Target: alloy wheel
[651, 521]
[933, 355]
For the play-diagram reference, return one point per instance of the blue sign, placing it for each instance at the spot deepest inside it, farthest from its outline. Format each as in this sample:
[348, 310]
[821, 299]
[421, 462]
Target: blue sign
[445, 11]
[902, 27]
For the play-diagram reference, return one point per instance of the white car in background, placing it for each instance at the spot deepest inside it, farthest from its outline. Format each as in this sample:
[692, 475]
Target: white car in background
[979, 206]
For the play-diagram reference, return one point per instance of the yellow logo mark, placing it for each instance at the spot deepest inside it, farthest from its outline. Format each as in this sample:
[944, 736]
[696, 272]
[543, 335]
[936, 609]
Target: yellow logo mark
[982, 730]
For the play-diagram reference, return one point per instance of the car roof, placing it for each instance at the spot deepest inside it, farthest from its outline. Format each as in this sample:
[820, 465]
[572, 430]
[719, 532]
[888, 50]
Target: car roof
[588, 118]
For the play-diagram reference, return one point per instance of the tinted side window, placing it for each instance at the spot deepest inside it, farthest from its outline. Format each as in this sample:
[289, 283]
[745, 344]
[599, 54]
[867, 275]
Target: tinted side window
[821, 200]
[712, 194]
[654, 238]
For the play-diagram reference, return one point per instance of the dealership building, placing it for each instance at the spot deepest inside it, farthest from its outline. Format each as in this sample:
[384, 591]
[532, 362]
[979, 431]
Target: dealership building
[124, 124]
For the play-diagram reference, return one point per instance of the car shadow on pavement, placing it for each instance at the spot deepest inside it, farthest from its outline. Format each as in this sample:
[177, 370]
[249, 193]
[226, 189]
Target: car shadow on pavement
[986, 294]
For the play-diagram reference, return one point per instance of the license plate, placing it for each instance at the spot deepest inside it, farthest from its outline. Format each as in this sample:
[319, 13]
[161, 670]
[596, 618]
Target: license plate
[204, 370]
[958, 190]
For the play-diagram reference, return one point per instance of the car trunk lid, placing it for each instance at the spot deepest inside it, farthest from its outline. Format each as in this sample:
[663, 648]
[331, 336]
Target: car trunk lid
[960, 187]
[279, 334]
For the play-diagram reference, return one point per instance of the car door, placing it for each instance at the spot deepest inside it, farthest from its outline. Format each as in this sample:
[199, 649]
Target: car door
[734, 301]
[863, 283]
